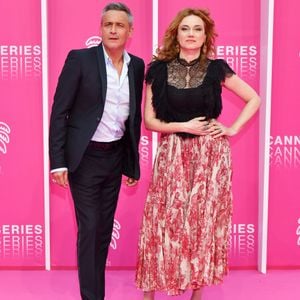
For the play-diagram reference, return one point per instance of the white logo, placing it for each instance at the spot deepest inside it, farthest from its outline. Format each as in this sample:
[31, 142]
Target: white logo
[20, 61]
[285, 151]
[24, 240]
[242, 240]
[242, 58]
[93, 41]
[144, 151]
[298, 233]
[4, 136]
[115, 234]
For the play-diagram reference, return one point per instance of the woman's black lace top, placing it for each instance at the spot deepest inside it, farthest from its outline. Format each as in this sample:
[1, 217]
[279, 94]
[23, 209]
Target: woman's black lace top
[182, 90]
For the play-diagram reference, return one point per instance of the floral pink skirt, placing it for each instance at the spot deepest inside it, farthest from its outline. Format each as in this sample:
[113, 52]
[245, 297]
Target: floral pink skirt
[185, 230]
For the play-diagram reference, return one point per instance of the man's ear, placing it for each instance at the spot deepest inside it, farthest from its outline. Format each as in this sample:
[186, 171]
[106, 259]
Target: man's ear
[130, 31]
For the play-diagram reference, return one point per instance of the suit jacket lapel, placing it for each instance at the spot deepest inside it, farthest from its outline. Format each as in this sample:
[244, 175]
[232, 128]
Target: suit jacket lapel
[102, 71]
[132, 100]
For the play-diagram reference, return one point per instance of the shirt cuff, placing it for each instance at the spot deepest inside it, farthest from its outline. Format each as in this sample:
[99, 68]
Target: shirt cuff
[59, 170]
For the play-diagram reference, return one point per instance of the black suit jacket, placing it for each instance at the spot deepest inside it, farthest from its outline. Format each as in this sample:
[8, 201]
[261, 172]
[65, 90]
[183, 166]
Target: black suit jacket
[78, 108]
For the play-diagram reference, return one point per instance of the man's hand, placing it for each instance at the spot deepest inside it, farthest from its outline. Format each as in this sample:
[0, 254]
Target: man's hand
[60, 178]
[131, 182]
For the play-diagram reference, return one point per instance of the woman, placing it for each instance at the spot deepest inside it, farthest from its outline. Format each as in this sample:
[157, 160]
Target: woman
[185, 229]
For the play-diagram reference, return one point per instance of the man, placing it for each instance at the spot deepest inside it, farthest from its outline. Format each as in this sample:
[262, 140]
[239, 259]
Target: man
[94, 135]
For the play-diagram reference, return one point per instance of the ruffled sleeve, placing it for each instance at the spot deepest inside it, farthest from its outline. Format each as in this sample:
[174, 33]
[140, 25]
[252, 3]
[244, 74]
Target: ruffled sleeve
[156, 75]
[223, 70]
[155, 70]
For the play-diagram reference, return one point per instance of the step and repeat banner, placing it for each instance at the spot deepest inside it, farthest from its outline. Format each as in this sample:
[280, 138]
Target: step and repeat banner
[284, 220]
[21, 147]
[239, 48]
[73, 26]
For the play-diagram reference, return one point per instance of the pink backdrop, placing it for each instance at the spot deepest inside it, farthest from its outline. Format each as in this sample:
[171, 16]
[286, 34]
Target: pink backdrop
[21, 159]
[240, 48]
[284, 228]
[21, 146]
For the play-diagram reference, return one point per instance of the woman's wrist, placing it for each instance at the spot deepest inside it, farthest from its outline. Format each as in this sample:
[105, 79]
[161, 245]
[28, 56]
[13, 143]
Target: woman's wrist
[233, 131]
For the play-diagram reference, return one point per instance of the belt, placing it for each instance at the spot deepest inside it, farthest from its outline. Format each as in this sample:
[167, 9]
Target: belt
[105, 145]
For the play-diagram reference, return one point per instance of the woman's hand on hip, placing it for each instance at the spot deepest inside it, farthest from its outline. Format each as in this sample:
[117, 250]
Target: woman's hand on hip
[217, 129]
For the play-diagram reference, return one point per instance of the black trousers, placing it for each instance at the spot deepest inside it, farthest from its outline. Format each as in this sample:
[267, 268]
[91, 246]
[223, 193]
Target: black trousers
[95, 187]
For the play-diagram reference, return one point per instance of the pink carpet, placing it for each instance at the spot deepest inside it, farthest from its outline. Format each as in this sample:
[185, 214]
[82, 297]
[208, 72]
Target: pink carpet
[62, 285]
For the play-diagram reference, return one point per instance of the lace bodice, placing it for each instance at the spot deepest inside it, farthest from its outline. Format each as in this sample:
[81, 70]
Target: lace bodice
[183, 74]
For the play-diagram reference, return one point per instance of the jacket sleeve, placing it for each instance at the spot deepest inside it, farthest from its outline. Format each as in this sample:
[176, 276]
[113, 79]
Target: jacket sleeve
[131, 167]
[64, 97]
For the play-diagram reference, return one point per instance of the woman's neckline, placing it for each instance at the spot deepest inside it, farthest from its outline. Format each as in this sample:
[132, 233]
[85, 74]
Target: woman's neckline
[186, 63]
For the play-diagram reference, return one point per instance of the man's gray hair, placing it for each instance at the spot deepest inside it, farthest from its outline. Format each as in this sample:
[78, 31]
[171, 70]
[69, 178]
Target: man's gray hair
[120, 7]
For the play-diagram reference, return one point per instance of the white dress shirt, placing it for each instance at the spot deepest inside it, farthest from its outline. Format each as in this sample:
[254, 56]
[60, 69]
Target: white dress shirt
[116, 108]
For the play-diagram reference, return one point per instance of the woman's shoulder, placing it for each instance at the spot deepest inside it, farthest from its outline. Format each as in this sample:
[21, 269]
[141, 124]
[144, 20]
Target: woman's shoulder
[219, 62]
[157, 64]
[220, 68]
[156, 70]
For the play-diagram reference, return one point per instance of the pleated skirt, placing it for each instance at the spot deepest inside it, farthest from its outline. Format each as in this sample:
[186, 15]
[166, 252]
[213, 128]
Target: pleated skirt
[185, 229]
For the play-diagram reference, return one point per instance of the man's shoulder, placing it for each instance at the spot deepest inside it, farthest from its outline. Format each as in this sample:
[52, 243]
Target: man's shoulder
[83, 55]
[83, 51]
[136, 59]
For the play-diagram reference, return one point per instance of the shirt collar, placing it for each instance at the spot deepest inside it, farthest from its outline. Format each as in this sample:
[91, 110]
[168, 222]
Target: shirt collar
[126, 56]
